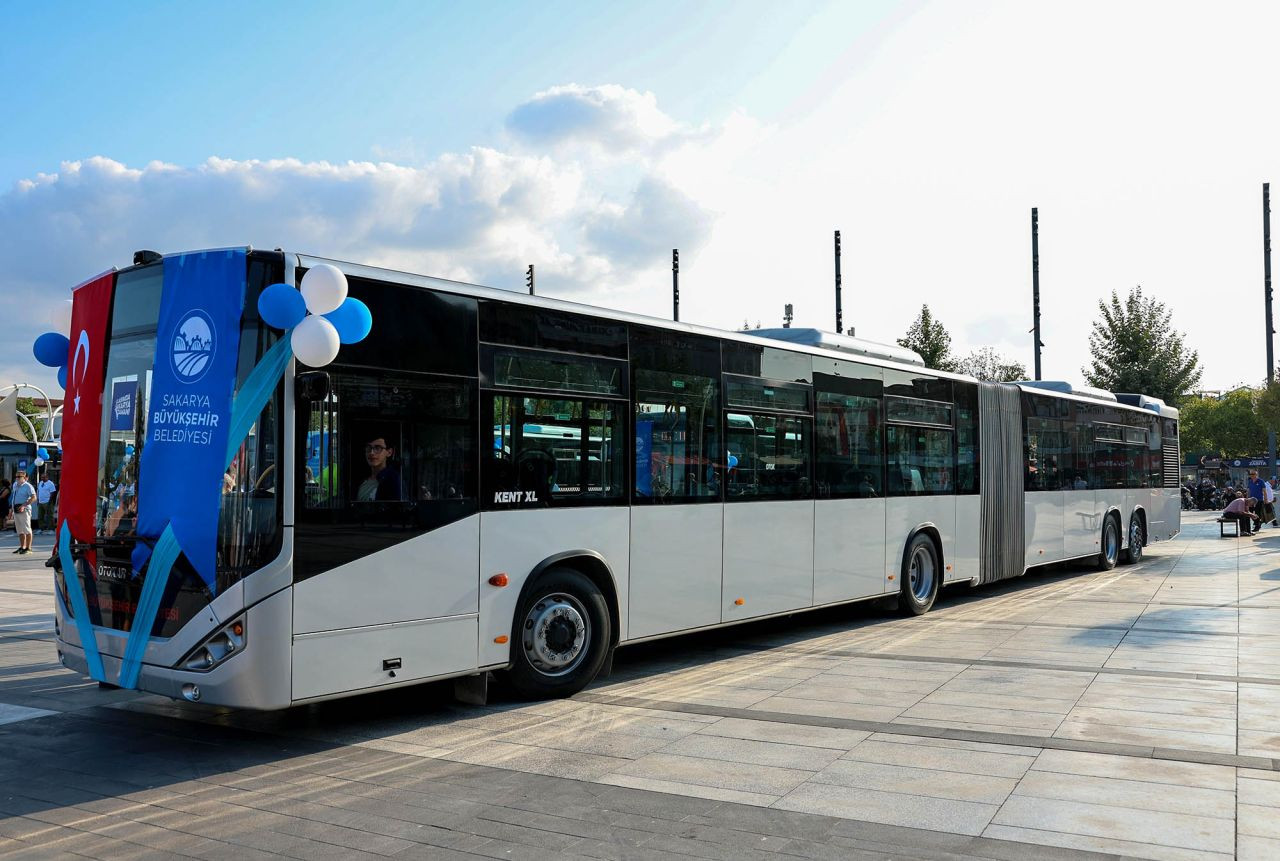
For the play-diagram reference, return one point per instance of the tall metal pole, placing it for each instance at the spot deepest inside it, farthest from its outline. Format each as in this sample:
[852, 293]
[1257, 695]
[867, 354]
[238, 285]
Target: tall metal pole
[675, 284]
[1035, 283]
[839, 309]
[529, 278]
[1266, 281]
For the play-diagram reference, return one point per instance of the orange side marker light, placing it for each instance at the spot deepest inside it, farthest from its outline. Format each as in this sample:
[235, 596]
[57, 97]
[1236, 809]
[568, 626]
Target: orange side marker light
[500, 639]
[499, 580]
[740, 601]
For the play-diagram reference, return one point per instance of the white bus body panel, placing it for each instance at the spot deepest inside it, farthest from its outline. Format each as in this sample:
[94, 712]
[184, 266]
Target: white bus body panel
[1043, 526]
[904, 514]
[676, 556]
[768, 558]
[966, 549]
[415, 601]
[848, 553]
[1082, 523]
[516, 542]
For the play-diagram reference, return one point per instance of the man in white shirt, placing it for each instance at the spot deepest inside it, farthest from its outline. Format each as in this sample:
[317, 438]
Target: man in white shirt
[44, 496]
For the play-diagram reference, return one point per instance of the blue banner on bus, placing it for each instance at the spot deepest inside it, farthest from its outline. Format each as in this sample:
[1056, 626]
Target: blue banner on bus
[184, 456]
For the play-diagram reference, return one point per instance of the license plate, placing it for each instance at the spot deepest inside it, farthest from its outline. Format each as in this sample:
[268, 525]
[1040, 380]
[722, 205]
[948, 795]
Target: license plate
[114, 572]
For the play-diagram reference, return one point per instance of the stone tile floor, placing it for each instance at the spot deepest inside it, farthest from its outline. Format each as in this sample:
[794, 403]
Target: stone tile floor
[1130, 713]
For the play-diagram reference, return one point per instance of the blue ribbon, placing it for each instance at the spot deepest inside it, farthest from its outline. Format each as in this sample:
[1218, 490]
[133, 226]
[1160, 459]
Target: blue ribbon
[79, 606]
[255, 393]
[162, 558]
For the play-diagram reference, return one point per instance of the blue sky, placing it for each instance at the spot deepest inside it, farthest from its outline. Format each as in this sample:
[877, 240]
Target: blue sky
[403, 80]
[468, 140]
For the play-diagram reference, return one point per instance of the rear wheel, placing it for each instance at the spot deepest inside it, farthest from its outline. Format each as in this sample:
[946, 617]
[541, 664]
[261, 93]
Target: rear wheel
[561, 636]
[921, 575]
[1110, 553]
[1137, 537]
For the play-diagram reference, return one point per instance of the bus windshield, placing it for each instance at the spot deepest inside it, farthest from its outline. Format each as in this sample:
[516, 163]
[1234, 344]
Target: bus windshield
[249, 519]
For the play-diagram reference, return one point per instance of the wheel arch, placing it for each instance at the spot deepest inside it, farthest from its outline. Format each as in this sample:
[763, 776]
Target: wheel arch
[935, 535]
[590, 564]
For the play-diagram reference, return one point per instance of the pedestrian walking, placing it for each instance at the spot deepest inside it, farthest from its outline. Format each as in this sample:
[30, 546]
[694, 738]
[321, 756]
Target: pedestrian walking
[1269, 488]
[44, 495]
[22, 495]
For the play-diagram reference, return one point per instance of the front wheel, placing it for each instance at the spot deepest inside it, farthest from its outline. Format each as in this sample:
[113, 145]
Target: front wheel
[561, 636]
[1110, 554]
[921, 574]
[1137, 536]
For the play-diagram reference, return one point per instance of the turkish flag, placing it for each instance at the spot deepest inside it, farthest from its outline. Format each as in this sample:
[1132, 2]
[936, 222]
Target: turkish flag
[82, 409]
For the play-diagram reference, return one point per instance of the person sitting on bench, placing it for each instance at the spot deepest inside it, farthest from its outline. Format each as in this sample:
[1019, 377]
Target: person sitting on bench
[1241, 510]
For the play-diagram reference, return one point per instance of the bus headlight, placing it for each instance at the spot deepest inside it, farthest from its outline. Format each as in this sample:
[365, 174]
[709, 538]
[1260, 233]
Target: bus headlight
[224, 643]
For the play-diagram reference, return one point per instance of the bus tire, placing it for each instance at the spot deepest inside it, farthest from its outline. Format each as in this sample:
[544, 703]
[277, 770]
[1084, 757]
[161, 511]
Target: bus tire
[561, 636]
[1109, 555]
[921, 575]
[1137, 536]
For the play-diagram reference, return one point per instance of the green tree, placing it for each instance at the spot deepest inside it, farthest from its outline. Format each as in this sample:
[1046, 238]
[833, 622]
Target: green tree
[1232, 425]
[931, 340]
[1136, 349]
[986, 364]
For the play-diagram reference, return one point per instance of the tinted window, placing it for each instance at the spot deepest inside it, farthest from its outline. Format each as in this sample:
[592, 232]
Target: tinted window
[917, 411]
[1047, 450]
[767, 456]
[847, 427]
[968, 456]
[383, 458]
[677, 437]
[919, 460]
[414, 330]
[553, 451]
[557, 372]
[762, 394]
[908, 384]
[542, 328]
[751, 360]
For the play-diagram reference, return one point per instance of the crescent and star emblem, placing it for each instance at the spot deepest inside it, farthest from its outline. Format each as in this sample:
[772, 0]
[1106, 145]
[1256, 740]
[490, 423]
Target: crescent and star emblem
[82, 344]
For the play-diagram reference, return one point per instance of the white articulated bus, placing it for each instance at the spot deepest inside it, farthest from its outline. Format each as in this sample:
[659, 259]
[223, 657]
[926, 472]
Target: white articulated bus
[498, 482]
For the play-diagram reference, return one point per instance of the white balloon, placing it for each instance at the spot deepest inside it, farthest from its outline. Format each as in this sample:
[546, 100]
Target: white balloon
[39, 461]
[60, 317]
[324, 288]
[315, 341]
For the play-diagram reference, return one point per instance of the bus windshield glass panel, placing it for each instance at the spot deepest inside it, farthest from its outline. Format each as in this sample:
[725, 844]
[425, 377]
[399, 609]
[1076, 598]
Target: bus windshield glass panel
[249, 514]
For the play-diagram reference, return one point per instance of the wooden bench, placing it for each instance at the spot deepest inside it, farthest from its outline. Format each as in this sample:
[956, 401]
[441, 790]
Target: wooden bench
[1222, 527]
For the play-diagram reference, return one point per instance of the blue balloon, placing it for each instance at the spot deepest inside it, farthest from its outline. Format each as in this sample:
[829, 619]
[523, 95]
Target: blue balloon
[281, 306]
[128, 449]
[733, 461]
[62, 376]
[51, 349]
[352, 320]
[43, 453]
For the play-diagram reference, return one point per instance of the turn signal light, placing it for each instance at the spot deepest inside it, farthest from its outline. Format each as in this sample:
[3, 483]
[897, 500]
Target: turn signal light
[500, 639]
[499, 580]
[740, 601]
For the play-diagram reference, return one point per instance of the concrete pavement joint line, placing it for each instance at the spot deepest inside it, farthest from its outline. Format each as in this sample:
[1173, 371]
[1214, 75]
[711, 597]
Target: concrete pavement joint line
[1027, 665]
[917, 731]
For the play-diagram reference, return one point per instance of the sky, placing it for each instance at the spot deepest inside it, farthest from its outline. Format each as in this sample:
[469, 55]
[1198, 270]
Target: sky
[469, 140]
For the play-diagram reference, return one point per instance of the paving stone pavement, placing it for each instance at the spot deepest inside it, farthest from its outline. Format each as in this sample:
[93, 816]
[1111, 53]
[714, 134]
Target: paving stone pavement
[1068, 714]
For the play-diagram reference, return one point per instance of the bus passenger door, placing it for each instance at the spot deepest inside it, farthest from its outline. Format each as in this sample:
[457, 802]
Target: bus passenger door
[768, 516]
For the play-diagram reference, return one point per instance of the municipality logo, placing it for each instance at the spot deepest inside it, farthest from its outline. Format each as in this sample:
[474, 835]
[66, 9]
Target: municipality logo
[193, 346]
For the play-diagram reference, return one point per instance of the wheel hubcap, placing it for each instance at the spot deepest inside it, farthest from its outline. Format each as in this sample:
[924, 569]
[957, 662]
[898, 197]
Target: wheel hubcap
[556, 634]
[1135, 540]
[920, 574]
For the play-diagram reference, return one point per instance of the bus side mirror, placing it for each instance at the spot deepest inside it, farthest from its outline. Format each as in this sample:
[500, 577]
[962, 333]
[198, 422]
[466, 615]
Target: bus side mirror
[311, 386]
